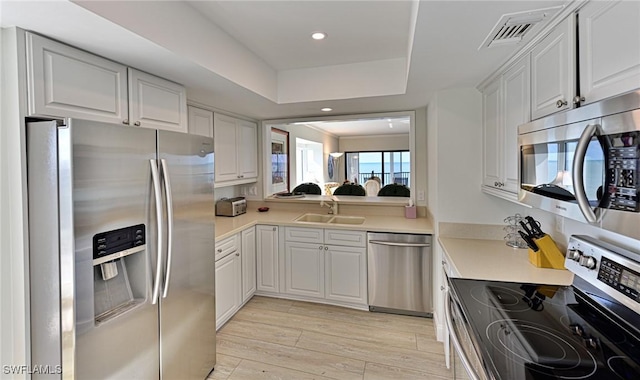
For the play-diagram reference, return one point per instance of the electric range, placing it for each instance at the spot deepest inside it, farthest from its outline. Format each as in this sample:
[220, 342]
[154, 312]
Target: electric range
[590, 330]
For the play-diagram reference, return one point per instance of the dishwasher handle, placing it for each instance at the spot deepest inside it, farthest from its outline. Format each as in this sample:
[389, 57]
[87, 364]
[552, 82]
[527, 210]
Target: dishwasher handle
[398, 244]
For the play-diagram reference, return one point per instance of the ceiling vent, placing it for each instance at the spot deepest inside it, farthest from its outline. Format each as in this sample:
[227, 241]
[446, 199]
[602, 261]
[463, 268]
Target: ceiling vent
[512, 28]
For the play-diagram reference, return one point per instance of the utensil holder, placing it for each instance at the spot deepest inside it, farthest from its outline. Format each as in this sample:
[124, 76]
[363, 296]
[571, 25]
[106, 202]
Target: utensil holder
[548, 254]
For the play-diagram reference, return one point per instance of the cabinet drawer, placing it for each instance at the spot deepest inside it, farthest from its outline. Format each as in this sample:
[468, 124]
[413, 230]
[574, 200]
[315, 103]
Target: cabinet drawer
[304, 235]
[345, 238]
[226, 246]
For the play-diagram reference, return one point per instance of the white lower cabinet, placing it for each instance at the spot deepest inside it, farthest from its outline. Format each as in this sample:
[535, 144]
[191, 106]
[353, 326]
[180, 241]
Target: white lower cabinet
[228, 298]
[304, 269]
[267, 259]
[326, 264]
[248, 263]
[235, 273]
[345, 271]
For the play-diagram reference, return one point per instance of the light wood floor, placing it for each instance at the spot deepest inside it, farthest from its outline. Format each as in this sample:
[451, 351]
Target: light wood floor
[280, 339]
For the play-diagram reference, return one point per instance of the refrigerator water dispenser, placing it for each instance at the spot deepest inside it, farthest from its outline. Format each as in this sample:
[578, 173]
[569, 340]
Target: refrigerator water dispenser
[119, 271]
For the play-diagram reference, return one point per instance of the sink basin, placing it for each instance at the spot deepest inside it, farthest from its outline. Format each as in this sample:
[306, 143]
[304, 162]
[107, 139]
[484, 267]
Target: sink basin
[330, 219]
[314, 218]
[338, 219]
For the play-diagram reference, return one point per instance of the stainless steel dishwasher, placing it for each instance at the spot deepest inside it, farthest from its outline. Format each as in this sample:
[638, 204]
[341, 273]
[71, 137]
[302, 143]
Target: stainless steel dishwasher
[399, 271]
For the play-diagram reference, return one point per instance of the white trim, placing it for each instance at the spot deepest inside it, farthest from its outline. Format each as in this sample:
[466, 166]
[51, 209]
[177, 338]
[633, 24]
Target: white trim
[558, 18]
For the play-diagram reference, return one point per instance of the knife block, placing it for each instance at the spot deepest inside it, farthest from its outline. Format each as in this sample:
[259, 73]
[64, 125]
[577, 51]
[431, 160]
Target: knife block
[548, 255]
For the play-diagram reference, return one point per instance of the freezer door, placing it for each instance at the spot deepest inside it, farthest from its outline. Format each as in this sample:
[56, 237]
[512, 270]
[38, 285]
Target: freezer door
[116, 322]
[187, 303]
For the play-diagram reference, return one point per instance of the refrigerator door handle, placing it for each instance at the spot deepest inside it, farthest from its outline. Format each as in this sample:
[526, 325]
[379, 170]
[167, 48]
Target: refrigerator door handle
[167, 189]
[158, 201]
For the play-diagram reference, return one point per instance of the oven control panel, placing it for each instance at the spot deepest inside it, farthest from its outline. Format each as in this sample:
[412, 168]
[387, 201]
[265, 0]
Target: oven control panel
[612, 269]
[620, 278]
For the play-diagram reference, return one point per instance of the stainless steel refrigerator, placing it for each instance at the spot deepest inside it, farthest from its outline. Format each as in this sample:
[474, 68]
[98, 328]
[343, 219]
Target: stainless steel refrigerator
[121, 257]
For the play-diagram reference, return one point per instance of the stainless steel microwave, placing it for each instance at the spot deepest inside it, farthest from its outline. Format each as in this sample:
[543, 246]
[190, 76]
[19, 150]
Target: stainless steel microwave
[584, 164]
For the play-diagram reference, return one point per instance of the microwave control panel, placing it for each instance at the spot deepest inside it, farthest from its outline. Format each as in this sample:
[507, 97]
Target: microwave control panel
[624, 171]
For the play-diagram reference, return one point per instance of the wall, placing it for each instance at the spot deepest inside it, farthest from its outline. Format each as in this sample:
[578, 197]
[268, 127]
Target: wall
[14, 333]
[373, 143]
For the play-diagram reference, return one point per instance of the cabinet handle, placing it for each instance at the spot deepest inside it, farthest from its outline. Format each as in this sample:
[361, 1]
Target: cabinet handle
[137, 123]
[320, 248]
[561, 103]
[578, 99]
[274, 229]
[237, 253]
[125, 122]
[441, 287]
[444, 262]
[326, 248]
[220, 250]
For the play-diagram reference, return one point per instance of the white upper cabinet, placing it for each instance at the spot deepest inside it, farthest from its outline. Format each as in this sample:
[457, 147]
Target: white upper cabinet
[156, 103]
[553, 71]
[67, 82]
[516, 111]
[505, 107]
[236, 145]
[609, 45]
[248, 158]
[491, 124]
[200, 121]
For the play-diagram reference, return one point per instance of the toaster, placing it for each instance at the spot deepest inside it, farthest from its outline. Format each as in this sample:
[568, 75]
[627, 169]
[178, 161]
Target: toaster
[231, 206]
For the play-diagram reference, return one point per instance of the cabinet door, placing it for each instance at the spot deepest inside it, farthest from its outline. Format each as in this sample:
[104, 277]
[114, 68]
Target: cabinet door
[225, 144]
[346, 274]
[200, 122]
[491, 134]
[248, 263]
[228, 297]
[267, 259]
[516, 89]
[553, 71]
[304, 269]
[248, 149]
[609, 48]
[156, 103]
[67, 82]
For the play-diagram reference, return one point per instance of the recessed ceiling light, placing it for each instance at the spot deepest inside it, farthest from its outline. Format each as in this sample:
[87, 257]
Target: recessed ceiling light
[326, 109]
[390, 125]
[319, 36]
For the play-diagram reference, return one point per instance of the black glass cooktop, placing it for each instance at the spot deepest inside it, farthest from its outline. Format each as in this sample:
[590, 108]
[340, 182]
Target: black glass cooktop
[529, 331]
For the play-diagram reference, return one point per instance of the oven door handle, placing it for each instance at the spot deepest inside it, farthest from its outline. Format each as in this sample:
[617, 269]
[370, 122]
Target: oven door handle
[456, 341]
[577, 177]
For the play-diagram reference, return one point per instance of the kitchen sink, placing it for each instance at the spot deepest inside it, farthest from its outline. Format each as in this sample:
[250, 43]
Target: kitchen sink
[330, 219]
[314, 218]
[347, 220]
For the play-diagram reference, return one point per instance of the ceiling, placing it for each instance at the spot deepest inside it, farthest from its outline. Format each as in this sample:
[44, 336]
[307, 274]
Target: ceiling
[362, 127]
[256, 58]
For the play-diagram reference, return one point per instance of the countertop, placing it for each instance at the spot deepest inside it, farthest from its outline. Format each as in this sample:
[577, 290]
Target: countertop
[227, 226]
[492, 260]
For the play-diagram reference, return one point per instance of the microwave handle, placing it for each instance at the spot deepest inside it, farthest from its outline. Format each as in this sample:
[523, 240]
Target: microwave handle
[578, 179]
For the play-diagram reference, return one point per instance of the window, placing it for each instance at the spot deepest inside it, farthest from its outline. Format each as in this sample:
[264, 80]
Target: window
[389, 166]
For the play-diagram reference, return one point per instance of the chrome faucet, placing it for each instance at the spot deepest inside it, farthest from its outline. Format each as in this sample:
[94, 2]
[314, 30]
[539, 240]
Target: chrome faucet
[333, 207]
